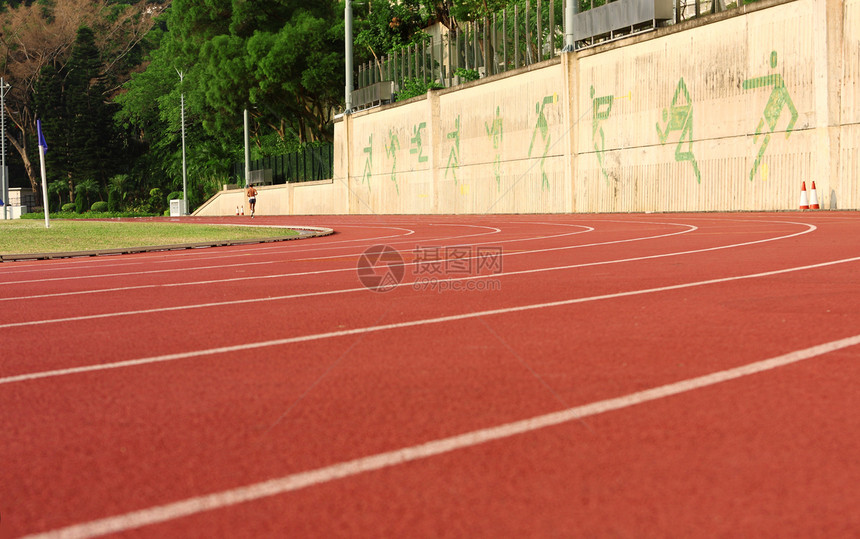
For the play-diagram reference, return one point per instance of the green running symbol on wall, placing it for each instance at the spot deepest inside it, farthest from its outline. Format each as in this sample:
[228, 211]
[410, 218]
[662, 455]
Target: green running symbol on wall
[601, 107]
[679, 117]
[494, 131]
[368, 161]
[454, 154]
[542, 126]
[779, 99]
[416, 142]
[391, 151]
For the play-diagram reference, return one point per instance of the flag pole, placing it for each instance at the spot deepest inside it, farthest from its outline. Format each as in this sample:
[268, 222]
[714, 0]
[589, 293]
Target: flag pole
[42, 147]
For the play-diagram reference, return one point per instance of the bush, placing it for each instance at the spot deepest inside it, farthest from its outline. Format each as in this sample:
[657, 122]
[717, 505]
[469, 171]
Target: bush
[99, 206]
[173, 196]
[79, 204]
[88, 215]
[467, 75]
[70, 207]
[112, 203]
[156, 201]
[414, 87]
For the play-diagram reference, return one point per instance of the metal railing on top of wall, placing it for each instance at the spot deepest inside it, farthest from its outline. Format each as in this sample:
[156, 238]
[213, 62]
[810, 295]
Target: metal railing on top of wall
[511, 39]
[309, 164]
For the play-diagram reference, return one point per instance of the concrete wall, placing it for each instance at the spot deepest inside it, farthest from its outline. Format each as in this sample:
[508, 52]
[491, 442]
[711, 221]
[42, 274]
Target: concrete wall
[307, 198]
[729, 112]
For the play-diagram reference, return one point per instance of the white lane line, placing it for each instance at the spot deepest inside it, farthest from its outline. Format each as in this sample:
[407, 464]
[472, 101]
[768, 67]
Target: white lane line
[401, 325]
[363, 289]
[246, 252]
[221, 266]
[276, 276]
[297, 296]
[327, 474]
[40, 266]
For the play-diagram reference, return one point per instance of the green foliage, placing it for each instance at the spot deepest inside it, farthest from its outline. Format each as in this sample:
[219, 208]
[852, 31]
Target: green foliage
[414, 87]
[381, 27]
[282, 61]
[118, 191]
[467, 75]
[76, 119]
[86, 193]
[174, 195]
[58, 188]
[70, 213]
[155, 204]
[112, 203]
[67, 208]
[100, 206]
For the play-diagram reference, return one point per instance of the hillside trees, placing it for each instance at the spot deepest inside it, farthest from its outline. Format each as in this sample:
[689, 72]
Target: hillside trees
[282, 60]
[38, 38]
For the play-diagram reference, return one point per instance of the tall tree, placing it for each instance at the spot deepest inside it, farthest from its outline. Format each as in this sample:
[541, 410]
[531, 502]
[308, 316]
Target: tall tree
[280, 59]
[36, 35]
[91, 132]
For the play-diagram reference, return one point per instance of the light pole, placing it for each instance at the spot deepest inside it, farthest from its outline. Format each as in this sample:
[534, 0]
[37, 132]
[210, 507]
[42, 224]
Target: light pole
[182, 108]
[4, 179]
[347, 15]
[247, 123]
[570, 11]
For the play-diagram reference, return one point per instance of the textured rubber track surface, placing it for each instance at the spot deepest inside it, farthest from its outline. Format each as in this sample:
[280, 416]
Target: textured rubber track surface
[568, 375]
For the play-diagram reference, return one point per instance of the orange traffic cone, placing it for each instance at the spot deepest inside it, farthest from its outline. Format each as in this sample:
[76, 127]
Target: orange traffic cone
[804, 201]
[243, 209]
[813, 198]
[237, 210]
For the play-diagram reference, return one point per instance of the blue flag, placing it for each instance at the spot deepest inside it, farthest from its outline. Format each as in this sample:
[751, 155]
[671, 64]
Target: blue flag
[42, 141]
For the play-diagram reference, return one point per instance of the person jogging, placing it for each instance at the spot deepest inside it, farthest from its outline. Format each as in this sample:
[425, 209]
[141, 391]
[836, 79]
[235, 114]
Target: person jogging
[252, 198]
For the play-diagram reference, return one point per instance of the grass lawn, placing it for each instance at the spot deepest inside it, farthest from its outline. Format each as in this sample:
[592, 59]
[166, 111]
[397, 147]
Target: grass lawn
[20, 236]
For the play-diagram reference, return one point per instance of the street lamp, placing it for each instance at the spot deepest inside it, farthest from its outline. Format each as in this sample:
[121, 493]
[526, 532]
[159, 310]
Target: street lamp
[182, 105]
[4, 178]
[347, 15]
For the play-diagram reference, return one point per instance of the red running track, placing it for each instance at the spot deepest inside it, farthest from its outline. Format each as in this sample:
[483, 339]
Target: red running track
[567, 375]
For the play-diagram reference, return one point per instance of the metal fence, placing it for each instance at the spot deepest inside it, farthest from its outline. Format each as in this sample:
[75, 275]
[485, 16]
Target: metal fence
[511, 39]
[309, 164]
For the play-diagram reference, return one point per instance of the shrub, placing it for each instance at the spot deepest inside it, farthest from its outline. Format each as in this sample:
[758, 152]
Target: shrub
[467, 75]
[156, 201]
[79, 204]
[99, 206]
[173, 196]
[414, 87]
[112, 203]
[70, 207]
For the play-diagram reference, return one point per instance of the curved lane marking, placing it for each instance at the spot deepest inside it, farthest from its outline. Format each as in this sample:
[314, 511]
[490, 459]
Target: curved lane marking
[400, 325]
[389, 459]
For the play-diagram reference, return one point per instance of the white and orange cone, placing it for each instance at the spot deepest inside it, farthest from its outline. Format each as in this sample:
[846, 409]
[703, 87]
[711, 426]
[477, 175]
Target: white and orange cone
[804, 201]
[813, 198]
[243, 209]
[237, 210]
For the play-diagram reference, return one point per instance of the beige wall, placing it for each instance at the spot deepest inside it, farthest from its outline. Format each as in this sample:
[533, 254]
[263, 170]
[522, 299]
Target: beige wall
[730, 112]
[308, 198]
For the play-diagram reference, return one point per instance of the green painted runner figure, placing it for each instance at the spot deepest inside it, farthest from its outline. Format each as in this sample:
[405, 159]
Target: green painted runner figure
[779, 99]
[391, 151]
[680, 118]
[454, 154]
[494, 131]
[601, 107]
[542, 126]
[368, 162]
[417, 147]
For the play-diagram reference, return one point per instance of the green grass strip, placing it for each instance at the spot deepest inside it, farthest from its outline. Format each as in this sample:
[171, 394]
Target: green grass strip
[19, 236]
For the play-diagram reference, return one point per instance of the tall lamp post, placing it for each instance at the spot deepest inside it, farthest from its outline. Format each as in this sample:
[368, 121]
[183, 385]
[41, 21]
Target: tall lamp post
[182, 108]
[4, 178]
[347, 15]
